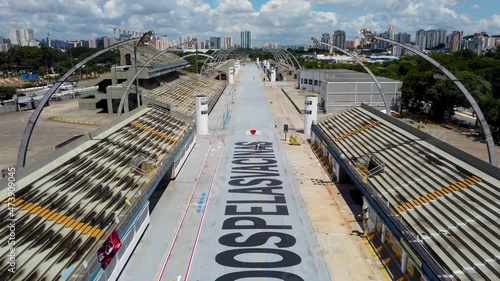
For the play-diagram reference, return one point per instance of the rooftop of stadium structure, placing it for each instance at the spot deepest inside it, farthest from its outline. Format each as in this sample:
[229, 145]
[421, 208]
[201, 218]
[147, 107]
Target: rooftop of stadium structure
[145, 52]
[68, 202]
[180, 93]
[447, 198]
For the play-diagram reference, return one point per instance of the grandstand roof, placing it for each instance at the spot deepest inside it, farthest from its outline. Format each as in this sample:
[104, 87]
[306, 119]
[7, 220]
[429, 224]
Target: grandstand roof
[67, 206]
[180, 94]
[165, 61]
[447, 197]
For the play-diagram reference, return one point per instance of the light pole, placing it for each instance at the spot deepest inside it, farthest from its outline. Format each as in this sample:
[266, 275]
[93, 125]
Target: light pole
[480, 116]
[379, 86]
[145, 38]
[196, 56]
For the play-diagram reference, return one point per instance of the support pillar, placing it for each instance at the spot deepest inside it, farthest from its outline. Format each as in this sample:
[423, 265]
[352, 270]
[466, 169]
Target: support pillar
[382, 236]
[310, 114]
[273, 74]
[404, 258]
[230, 76]
[201, 103]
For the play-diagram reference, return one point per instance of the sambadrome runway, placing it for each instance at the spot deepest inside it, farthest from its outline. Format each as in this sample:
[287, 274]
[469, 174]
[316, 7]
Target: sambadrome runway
[245, 218]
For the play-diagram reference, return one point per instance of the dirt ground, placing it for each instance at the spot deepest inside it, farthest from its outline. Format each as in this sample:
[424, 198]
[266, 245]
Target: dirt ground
[462, 141]
[330, 207]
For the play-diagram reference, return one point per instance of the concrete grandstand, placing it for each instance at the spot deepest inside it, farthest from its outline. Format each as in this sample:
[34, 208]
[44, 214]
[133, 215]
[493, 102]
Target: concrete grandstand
[71, 199]
[69, 202]
[434, 207]
[112, 85]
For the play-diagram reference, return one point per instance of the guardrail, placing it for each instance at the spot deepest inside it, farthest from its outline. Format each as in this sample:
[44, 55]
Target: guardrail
[89, 266]
[431, 264]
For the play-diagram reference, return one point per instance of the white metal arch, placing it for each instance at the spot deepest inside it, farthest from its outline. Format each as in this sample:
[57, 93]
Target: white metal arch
[199, 54]
[136, 75]
[374, 78]
[23, 147]
[480, 116]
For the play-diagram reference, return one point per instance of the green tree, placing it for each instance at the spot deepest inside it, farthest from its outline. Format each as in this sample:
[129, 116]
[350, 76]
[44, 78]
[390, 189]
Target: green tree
[6, 93]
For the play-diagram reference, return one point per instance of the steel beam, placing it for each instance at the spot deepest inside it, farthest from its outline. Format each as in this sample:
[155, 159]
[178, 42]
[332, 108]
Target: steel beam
[379, 86]
[480, 116]
[23, 147]
[136, 75]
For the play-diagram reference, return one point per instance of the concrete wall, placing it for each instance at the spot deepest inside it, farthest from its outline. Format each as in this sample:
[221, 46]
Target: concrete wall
[342, 95]
[313, 75]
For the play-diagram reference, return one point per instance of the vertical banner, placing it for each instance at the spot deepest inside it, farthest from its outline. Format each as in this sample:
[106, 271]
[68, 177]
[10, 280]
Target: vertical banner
[108, 250]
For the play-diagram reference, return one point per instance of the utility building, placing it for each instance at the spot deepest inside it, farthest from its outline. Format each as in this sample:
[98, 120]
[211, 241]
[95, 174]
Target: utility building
[341, 89]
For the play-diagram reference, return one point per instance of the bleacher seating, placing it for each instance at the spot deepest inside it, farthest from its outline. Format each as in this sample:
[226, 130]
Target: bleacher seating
[181, 93]
[66, 213]
[146, 52]
[451, 205]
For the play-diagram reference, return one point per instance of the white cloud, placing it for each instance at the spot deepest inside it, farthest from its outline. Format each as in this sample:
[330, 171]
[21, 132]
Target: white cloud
[475, 7]
[285, 21]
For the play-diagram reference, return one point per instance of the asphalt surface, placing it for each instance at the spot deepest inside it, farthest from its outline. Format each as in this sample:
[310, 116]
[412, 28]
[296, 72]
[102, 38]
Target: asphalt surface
[244, 217]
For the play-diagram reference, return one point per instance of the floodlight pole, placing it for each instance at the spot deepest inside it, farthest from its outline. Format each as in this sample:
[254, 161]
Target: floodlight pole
[480, 116]
[379, 86]
[144, 38]
[196, 57]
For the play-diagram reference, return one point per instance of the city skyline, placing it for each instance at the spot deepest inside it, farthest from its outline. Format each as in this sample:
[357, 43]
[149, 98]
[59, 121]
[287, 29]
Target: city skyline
[269, 21]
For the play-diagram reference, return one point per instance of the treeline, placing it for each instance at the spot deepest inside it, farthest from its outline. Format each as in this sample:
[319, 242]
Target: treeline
[46, 60]
[424, 85]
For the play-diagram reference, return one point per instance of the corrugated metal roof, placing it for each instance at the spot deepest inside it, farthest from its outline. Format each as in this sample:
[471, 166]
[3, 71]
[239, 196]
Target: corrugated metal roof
[453, 205]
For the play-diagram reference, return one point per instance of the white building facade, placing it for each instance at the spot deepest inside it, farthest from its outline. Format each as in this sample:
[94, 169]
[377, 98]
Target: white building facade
[340, 89]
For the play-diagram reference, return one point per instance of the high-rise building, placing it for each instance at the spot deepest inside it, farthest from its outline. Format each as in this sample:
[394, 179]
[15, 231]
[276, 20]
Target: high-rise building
[23, 37]
[357, 42]
[455, 37]
[181, 40]
[215, 43]
[161, 43]
[338, 39]
[325, 38]
[391, 32]
[421, 39]
[442, 34]
[4, 47]
[15, 37]
[384, 44]
[164, 43]
[246, 39]
[199, 44]
[228, 42]
[404, 38]
[108, 41]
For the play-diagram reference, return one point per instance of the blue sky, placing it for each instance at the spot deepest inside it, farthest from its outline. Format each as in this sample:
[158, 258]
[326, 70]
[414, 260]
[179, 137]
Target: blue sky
[281, 21]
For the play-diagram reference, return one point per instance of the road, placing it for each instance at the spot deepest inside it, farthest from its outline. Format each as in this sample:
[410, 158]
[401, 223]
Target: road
[246, 218]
